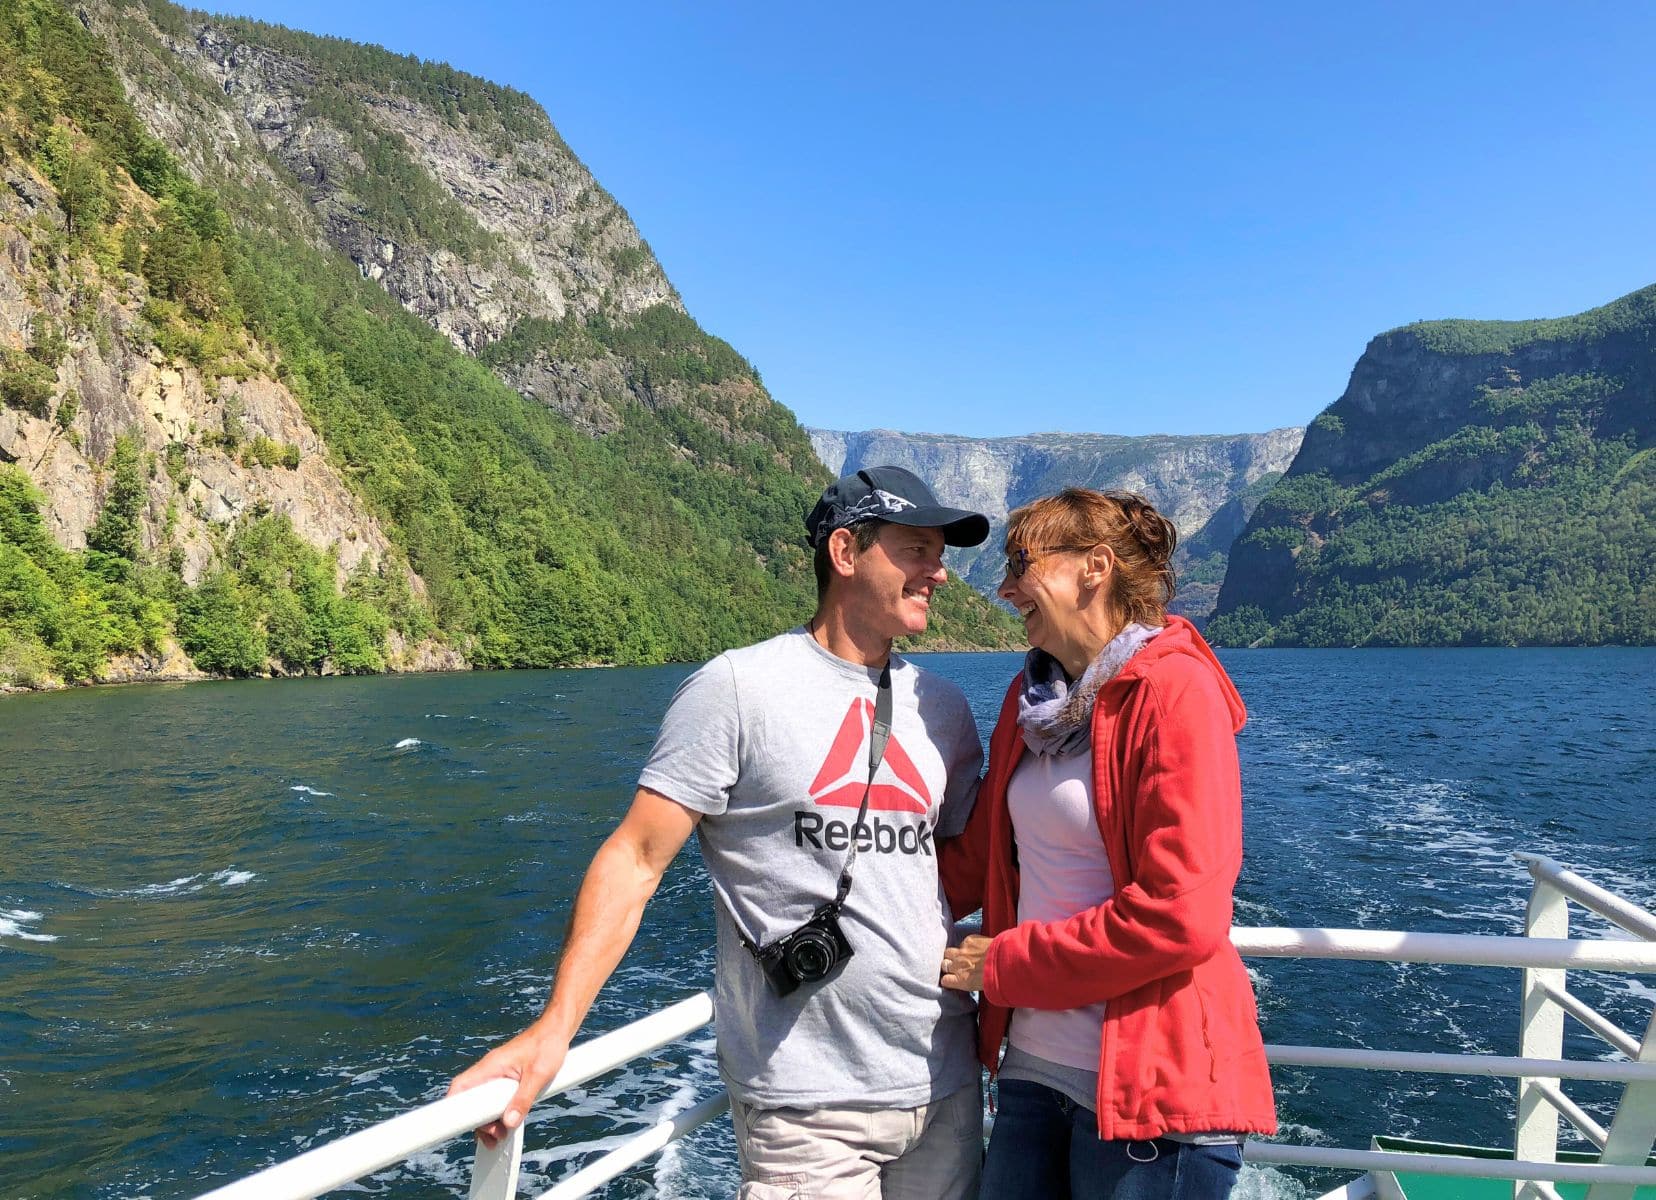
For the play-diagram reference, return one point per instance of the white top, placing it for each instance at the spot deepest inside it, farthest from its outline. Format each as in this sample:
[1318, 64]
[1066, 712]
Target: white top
[1062, 870]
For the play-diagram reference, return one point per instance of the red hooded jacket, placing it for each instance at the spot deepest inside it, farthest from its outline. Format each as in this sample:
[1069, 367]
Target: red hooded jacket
[1181, 1047]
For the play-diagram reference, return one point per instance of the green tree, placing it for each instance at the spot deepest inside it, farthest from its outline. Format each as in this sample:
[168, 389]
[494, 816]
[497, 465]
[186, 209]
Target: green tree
[82, 183]
[219, 630]
[117, 532]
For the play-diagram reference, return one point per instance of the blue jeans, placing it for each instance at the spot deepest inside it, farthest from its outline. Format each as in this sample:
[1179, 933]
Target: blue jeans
[1046, 1147]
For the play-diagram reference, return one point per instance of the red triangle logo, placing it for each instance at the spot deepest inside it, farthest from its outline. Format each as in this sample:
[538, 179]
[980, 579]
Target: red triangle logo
[840, 780]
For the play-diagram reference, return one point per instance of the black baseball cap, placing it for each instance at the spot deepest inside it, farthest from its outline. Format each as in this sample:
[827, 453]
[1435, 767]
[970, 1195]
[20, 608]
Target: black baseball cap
[895, 495]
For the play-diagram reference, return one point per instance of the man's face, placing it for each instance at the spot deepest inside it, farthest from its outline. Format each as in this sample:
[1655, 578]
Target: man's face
[890, 589]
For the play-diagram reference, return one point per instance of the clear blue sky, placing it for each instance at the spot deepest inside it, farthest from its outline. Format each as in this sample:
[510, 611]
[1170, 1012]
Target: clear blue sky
[993, 219]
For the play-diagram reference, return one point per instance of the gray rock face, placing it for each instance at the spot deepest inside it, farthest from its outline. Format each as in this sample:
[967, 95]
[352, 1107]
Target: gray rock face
[500, 226]
[113, 381]
[1205, 484]
[541, 237]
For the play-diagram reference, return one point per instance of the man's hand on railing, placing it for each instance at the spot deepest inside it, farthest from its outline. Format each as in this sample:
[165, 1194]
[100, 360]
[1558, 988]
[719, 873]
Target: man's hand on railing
[532, 1058]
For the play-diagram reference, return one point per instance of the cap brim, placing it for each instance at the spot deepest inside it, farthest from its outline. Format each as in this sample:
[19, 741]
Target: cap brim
[960, 528]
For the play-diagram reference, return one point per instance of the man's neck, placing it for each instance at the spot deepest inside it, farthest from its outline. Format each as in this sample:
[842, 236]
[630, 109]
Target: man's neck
[841, 638]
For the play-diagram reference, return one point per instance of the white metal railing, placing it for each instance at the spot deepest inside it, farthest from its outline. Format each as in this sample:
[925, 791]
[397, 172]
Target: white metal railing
[1547, 1000]
[494, 1175]
[1463, 949]
[1544, 955]
[1458, 1166]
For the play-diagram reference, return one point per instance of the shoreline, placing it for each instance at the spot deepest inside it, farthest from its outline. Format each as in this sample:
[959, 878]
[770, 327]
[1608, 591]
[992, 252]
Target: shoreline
[170, 664]
[192, 675]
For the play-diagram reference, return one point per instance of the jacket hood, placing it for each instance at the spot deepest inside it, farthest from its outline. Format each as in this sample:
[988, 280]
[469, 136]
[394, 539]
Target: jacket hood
[1180, 637]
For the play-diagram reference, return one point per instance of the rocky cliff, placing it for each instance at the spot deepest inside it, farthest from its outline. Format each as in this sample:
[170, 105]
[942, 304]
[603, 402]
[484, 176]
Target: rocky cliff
[121, 383]
[457, 196]
[1477, 483]
[1206, 484]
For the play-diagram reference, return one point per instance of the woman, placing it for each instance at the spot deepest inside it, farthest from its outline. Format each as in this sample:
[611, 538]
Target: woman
[1103, 849]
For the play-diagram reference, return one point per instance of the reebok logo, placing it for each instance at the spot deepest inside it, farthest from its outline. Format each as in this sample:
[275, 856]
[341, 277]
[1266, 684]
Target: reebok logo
[844, 772]
[812, 829]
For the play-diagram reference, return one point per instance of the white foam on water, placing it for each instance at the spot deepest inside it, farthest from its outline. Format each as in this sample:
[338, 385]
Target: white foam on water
[307, 791]
[189, 884]
[408, 743]
[676, 1170]
[1629, 985]
[531, 983]
[451, 1174]
[12, 921]
[550, 1156]
[1267, 1183]
[1298, 1134]
[176, 887]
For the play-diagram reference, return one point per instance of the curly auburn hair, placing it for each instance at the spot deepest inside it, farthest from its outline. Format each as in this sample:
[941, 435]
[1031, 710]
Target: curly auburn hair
[1141, 539]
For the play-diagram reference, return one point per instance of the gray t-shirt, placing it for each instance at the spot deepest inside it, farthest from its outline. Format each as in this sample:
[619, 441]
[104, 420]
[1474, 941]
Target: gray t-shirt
[770, 744]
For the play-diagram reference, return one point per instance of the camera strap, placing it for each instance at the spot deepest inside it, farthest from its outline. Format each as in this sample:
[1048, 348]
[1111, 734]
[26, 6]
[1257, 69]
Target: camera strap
[878, 736]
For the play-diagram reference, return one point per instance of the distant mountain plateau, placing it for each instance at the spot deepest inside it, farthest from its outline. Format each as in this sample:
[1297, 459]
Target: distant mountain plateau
[1207, 485]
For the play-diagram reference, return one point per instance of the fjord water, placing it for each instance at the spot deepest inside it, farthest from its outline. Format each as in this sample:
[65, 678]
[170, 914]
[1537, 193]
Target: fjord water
[241, 919]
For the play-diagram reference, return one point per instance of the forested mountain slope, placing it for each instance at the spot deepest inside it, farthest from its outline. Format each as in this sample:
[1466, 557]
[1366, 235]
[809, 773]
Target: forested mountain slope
[317, 357]
[1479, 483]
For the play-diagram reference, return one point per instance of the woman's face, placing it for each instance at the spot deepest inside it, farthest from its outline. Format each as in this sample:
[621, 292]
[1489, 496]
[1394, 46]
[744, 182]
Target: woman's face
[1047, 595]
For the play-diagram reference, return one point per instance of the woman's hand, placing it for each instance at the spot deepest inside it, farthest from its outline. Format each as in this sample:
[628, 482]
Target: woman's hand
[963, 964]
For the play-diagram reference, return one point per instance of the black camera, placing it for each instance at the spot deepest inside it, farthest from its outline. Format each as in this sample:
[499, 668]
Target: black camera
[807, 955]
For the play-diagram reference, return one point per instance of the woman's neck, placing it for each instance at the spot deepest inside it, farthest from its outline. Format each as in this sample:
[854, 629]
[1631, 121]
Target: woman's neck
[1094, 633]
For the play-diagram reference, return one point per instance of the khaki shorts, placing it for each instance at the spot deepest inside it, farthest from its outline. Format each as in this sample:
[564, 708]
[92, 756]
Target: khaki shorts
[934, 1152]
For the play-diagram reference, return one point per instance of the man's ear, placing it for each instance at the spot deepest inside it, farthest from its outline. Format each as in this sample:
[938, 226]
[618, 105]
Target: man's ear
[842, 552]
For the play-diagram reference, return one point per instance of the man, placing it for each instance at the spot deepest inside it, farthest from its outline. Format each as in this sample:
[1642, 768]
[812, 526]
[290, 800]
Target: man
[857, 1077]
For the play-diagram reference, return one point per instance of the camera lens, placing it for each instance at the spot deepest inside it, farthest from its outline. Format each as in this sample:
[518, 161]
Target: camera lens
[812, 955]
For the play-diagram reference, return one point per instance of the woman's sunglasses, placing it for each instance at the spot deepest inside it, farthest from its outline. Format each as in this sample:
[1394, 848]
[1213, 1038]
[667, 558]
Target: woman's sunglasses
[1019, 560]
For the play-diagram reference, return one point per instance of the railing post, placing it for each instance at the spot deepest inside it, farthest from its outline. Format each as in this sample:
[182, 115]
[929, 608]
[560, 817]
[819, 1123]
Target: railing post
[1634, 1128]
[1540, 1031]
[495, 1172]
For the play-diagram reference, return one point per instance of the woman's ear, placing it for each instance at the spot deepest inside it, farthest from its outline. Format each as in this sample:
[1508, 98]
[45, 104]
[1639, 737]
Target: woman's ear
[1097, 567]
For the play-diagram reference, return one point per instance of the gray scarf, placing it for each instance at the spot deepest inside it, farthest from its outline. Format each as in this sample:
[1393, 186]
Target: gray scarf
[1056, 715]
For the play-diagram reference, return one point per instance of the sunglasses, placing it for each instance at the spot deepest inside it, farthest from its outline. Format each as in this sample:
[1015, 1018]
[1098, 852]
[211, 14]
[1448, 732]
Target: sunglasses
[1018, 561]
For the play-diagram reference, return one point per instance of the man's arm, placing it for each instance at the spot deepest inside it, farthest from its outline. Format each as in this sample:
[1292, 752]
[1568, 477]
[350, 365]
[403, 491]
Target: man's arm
[623, 876]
